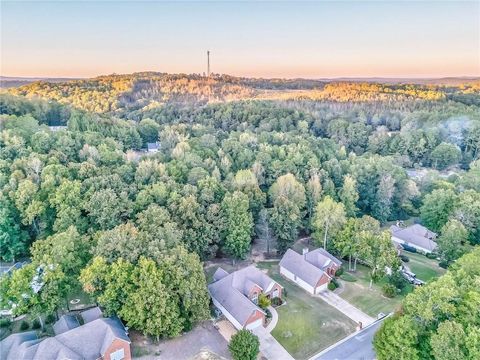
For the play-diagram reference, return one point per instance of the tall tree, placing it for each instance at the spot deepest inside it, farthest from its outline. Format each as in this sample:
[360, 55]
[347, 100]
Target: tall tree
[437, 208]
[349, 196]
[451, 242]
[329, 217]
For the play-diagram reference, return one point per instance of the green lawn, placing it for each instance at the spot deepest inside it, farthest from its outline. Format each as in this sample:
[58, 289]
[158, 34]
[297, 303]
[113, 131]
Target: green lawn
[426, 269]
[306, 324]
[355, 289]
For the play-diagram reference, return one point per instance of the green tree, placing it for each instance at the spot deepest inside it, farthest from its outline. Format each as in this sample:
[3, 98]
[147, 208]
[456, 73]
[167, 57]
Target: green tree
[285, 220]
[329, 217]
[244, 345]
[437, 208]
[444, 155]
[448, 343]
[238, 224]
[397, 338]
[13, 239]
[451, 242]
[349, 196]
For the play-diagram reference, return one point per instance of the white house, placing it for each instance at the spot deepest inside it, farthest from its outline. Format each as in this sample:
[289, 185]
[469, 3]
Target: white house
[416, 236]
[312, 271]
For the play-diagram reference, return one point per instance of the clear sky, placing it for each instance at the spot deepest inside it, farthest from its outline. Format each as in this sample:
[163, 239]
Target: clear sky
[261, 39]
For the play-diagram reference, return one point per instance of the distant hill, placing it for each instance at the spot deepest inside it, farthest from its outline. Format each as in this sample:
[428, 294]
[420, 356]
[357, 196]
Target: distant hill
[12, 81]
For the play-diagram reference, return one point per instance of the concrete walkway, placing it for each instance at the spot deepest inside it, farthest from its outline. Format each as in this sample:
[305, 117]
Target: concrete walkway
[270, 347]
[346, 308]
[274, 320]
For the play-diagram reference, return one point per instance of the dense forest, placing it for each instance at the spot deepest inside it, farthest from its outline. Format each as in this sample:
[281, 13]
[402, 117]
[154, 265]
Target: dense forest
[239, 158]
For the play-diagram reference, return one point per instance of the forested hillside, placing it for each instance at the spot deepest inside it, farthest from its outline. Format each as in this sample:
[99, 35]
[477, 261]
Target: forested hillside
[89, 208]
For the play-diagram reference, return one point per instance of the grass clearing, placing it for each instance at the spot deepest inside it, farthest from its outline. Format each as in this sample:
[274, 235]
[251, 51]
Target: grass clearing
[371, 301]
[426, 269]
[306, 324]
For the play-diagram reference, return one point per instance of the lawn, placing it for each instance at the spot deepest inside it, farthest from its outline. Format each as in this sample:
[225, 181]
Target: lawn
[426, 269]
[355, 289]
[306, 324]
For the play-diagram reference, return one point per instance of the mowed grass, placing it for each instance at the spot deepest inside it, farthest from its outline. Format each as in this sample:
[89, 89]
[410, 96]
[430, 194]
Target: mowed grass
[426, 269]
[306, 324]
[370, 301]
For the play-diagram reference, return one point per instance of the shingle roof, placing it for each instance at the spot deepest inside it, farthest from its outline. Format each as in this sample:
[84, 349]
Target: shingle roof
[153, 146]
[417, 235]
[65, 323]
[231, 291]
[309, 267]
[89, 341]
[91, 314]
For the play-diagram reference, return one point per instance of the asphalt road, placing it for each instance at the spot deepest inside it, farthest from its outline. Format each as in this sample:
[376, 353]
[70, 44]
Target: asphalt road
[357, 347]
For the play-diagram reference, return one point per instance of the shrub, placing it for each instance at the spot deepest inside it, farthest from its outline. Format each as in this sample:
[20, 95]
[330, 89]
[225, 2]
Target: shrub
[36, 324]
[443, 264]
[331, 286]
[389, 290]
[50, 318]
[404, 258]
[263, 301]
[431, 255]
[409, 248]
[5, 322]
[24, 325]
[397, 280]
[244, 346]
[268, 313]
[339, 271]
[277, 301]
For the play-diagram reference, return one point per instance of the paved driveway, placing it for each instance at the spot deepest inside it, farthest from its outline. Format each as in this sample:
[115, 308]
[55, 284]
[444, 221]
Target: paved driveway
[345, 307]
[270, 347]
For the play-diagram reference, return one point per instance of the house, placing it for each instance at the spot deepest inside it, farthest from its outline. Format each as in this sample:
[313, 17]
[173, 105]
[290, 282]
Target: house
[101, 338]
[236, 295]
[153, 147]
[57, 128]
[311, 270]
[416, 236]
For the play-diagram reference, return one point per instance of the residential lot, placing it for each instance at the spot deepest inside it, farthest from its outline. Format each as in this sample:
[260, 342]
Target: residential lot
[306, 324]
[426, 269]
[355, 289]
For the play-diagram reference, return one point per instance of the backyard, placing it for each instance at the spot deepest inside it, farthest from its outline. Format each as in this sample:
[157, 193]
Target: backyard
[306, 324]
[426, 269]
[355, 289]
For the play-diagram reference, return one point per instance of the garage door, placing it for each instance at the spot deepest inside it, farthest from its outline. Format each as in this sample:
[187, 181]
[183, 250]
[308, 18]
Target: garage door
[254, 324]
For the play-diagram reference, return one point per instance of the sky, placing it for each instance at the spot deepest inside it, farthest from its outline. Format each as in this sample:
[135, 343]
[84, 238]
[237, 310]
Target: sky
[259, 39]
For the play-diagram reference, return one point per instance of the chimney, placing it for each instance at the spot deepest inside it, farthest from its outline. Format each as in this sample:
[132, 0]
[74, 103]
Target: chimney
[304, 251]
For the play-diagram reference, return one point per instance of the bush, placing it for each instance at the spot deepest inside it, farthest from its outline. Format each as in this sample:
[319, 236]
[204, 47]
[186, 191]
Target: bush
[50, 318]
[5, 322]
[389, 290]
[277, 301]
[339, 271]
[331, 285]
[36, 324]
[404, 258]
[409, 248]
[268, 314]
[263, 301]
[431, 255]
[244, 346]
[397, 280]
[443, 264]
[24, 325]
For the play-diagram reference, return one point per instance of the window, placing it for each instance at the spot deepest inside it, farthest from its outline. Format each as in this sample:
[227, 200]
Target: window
[275, 293]
[118, 355]
[255, 298]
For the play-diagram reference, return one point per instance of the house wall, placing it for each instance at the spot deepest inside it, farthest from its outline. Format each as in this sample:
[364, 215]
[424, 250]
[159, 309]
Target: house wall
[297, 281]
[275, 287]
[227, 314]
[118, 344]
[251, 323]
[400, 241]
[322, 283]
[255, 291]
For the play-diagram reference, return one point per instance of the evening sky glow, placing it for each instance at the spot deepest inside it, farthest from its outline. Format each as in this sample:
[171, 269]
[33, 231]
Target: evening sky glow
[267, 39]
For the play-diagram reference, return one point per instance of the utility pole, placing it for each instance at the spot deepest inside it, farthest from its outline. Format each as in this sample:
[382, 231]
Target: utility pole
[208, 63]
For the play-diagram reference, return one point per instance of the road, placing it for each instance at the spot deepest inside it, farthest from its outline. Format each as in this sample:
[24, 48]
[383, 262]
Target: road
[357, 346]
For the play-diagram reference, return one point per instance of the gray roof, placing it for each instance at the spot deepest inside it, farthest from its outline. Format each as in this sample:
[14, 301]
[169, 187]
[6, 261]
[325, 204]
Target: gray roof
[91, 314]
[416, 235]
[309, 267]
[65, 323]
[153, 146]
[232, 290]
[89, 341]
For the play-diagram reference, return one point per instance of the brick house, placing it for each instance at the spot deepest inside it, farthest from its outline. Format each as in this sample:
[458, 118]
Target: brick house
[312, 270]
[236, 295]
[98, 338]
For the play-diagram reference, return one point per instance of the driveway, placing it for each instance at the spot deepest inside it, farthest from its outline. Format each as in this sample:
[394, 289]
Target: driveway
[355, 347]
[346, 308]
[270, 347]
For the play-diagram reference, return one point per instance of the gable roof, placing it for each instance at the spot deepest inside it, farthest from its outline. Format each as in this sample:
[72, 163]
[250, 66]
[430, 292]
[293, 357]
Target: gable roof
[89, 341]
[232, 290]
[417, 235]
[309, 267]
[91, 314]
[65, 323]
